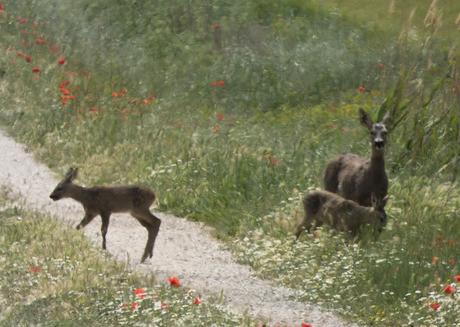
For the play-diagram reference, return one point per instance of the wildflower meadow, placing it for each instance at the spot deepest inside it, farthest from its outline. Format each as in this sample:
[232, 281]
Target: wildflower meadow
[230, 112]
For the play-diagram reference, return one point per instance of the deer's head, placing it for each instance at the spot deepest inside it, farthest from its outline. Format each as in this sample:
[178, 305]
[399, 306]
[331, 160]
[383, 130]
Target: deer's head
[378, 204]
[378, 131]
[62, 189]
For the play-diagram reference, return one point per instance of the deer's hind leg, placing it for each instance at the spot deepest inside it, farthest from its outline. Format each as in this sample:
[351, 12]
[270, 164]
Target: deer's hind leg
[152, 224]
[105, 225]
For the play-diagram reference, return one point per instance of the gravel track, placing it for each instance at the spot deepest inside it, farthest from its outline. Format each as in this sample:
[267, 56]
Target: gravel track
[183, 248]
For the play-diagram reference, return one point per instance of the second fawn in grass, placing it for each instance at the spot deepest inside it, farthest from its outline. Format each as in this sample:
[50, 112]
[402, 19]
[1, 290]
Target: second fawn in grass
[327, 208]
[104, 201]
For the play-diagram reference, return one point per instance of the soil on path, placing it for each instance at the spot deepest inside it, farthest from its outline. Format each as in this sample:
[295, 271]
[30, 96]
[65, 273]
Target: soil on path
[183, 248]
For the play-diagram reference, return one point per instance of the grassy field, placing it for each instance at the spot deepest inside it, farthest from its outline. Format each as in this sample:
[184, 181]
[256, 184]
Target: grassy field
[232, 120]
[391, 15]
[52, 276]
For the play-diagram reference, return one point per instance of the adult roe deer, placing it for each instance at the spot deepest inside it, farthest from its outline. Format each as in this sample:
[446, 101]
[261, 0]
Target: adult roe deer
[356, 178]
[104, 201]
[323, 207]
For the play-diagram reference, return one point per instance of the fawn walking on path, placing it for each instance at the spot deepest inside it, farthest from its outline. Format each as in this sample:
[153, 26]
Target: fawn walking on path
[104, 201]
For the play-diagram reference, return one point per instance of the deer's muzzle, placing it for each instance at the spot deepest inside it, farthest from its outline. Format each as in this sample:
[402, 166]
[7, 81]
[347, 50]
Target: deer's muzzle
[54, 197]
[379, 144]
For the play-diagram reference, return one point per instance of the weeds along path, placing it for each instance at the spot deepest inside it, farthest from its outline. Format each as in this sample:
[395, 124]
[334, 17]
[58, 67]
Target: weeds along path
[183, 248]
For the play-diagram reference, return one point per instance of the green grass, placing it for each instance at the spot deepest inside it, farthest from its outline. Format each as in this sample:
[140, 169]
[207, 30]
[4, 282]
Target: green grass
[52, 276]
[240, 155]
[269, 53]
[391, 15]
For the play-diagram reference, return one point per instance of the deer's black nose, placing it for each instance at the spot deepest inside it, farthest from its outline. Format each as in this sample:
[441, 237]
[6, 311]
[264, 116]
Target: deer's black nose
[379, 144]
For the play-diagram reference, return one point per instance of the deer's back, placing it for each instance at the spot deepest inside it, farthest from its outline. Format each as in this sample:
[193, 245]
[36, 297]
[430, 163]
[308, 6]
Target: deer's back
[119, 198]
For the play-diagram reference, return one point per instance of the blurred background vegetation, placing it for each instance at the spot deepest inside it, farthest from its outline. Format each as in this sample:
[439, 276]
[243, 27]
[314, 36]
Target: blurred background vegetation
[230, 110]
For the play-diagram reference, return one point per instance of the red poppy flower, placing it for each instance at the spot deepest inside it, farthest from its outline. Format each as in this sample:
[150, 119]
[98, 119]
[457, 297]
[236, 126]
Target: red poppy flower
[449, 289]
[28, 58]
[134, 306]
[35, 269]
[40, 41]
[36, 70]
[218, 83]
[434, 260]
[2, 8]
[304, 324]
[174, 281]
[65, 91]
[215, 26]
[22, 20]
[120, 93]
[220, 116]
[435, 306]
[140, 293]
[197, 300]
[457, 278]
[149, 100]
[62, 61]
[64, 84]
[66, 98]
[361, 89]
[94, 110]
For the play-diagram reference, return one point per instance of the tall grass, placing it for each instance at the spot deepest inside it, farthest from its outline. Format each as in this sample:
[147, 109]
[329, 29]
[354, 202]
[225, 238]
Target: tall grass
[269, 53]
[245, 115]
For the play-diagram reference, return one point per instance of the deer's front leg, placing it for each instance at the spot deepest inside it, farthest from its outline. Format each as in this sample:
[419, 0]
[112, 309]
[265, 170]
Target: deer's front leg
[86, 220]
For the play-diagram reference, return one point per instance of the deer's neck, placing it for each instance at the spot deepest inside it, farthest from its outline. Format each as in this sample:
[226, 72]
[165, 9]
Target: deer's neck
[78, 193]
[377, 164]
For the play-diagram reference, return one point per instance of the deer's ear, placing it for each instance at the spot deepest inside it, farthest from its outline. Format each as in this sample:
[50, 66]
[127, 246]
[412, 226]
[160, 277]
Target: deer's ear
[74, 174]
[385, 200]
[365, 119]
[386, 120]
[71, 174]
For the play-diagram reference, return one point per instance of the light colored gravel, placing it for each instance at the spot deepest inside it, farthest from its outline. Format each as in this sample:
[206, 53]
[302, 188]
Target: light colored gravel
[183, 248]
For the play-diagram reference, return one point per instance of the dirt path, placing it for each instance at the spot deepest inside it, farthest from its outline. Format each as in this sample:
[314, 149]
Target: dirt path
[182, 249]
